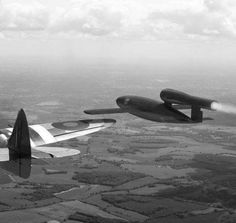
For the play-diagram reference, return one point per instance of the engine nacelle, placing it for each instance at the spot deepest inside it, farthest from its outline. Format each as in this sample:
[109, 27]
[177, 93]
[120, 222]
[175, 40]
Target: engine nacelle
[171, 96]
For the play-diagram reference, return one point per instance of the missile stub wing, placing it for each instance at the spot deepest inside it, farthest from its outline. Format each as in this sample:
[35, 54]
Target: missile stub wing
[104, 111]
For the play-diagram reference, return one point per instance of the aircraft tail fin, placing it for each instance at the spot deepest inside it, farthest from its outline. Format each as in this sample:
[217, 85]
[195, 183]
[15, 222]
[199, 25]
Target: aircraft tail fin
[19, 142]
[19, 148]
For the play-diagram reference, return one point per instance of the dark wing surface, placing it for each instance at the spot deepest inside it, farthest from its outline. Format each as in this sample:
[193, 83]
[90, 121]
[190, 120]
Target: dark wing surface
[104, 111]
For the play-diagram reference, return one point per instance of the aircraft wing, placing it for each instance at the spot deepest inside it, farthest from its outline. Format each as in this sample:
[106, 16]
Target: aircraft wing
[43, 152]
[104, 111]
[43, 134]
[58, 131]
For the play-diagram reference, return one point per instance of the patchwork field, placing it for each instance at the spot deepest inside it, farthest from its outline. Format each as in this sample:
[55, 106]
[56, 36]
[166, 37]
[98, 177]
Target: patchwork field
[155, 174]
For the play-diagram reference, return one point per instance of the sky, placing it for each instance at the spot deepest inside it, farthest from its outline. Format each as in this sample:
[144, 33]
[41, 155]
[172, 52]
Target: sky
[167, 31]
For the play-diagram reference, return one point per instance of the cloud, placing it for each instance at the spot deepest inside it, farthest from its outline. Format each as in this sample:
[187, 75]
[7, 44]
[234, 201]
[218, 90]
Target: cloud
[217, 5]
[23, 17]
[193, 23]
[96, 20]
[129, 19]
[214, 20]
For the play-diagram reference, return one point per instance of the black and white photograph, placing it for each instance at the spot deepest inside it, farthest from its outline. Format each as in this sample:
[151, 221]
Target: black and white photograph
[117, 111]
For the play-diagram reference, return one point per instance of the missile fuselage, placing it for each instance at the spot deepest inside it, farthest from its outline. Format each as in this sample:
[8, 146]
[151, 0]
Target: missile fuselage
[151, 109]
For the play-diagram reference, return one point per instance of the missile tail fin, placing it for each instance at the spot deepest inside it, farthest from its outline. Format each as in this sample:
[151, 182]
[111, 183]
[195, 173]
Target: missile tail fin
[196, 114]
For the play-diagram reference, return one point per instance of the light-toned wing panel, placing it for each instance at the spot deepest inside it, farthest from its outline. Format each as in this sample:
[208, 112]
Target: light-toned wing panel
[53, 152]
[58, 131]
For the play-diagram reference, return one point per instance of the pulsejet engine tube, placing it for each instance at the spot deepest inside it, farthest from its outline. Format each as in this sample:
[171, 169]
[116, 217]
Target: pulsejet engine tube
[170, 96]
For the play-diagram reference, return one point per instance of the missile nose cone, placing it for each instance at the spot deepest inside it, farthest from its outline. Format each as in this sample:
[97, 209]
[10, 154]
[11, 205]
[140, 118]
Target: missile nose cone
[121, 101]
